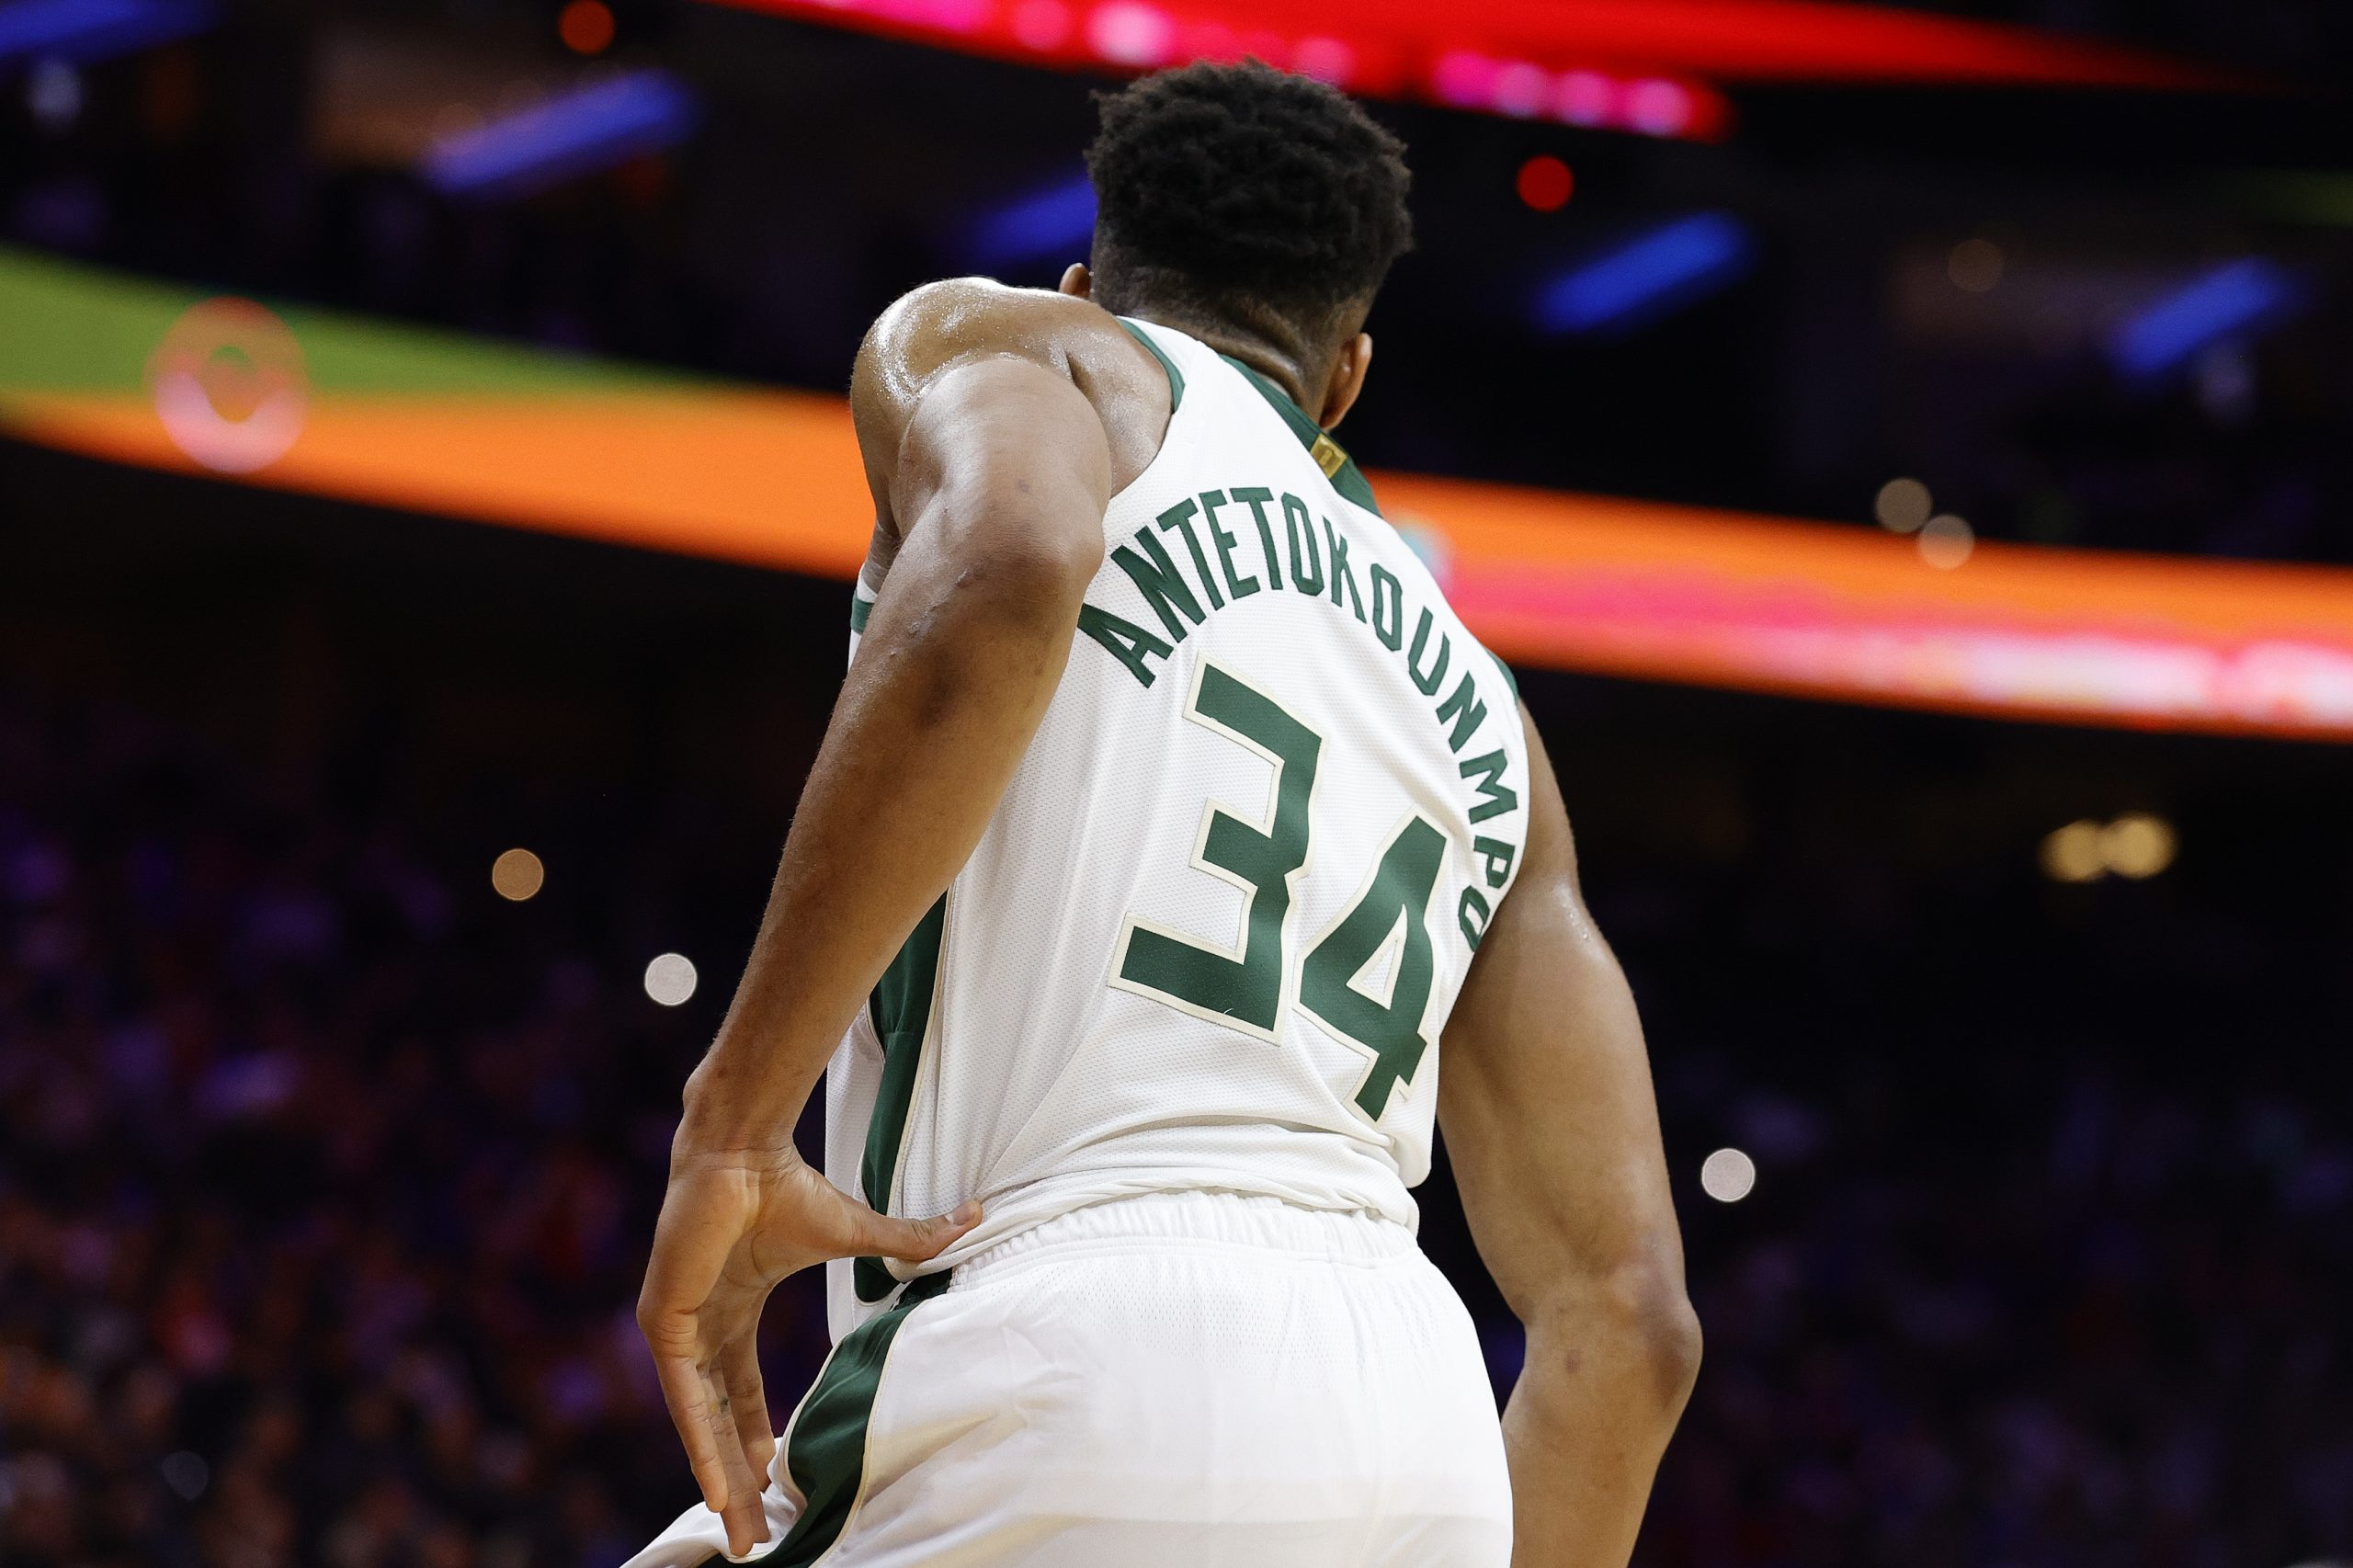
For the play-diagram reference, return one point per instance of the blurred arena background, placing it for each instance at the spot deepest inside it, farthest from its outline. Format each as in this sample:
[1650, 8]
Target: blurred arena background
[1908, 453]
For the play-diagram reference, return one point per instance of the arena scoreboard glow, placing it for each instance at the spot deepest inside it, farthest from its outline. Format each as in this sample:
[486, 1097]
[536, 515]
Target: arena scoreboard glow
[156, 375]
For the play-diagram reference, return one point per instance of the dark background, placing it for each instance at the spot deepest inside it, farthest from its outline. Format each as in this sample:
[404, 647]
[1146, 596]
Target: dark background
[325, 1174]
[835, 171]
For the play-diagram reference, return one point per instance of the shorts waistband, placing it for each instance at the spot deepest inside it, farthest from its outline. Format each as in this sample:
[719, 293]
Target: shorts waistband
[1194, 1218]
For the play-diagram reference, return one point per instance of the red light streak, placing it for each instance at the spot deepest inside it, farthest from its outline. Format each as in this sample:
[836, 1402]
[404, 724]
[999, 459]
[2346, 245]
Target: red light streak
[1646, 66]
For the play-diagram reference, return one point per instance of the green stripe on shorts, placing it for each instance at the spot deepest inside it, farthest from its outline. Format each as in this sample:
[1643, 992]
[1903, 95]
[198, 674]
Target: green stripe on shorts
[826, 1449]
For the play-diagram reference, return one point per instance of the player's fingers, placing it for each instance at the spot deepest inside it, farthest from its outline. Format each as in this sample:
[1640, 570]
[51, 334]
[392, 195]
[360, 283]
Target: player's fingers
[915, 1239]
[687, 1394]
[739, 1366]
[748, 1523]
[740, 1509]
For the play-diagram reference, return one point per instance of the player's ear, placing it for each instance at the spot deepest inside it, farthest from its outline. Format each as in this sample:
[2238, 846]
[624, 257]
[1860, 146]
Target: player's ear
[1347, 380]
[1077, 282]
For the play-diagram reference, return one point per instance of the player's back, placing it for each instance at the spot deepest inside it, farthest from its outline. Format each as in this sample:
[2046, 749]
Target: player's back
[1213, 931]
[1224, 799]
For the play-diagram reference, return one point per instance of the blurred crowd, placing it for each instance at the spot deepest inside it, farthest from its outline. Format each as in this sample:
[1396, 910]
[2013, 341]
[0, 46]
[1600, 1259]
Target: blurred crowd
[325, 1178]
[2118, 1342]
[322, 1201]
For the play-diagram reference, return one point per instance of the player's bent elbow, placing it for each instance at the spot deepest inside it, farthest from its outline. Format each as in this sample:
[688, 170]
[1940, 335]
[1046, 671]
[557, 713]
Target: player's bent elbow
[1036, 573]
[1063, 564]
[1636, 1312]
[1672, 1344]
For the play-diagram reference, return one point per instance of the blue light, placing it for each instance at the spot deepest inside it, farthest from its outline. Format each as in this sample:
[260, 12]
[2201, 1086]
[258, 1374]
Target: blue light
[562, 138]
[81, 32]
[1648, 276]
[1050, 225]
[2236, 297]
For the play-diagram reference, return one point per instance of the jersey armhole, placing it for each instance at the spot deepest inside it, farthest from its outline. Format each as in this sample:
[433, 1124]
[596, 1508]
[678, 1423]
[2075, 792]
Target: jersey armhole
[1511, 681]
[1175, 376]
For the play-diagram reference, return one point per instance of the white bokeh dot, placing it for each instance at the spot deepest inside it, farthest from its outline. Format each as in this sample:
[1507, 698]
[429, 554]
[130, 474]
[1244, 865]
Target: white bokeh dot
[1946, 541]
[670, 979]
[1902, 505]
[1727, 1175]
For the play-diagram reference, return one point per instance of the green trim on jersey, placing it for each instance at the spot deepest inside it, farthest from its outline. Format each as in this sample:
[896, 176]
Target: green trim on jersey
[901, 1008]
[825, 1450]
[1337, 466]
[861, 610]
[1175, 376]
[1510, 680]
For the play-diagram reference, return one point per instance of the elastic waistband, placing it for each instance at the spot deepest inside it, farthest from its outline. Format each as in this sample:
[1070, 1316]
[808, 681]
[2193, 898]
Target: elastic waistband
[1214, 1219]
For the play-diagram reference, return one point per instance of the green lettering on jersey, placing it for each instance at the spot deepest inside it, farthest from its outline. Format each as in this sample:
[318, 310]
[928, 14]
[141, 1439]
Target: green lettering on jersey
[1472, 902]
[1125, 641]
[1427, 683]
[1246, 992]
[1257, 496]
[1496, 795]
[1307, 570]
[1472, 713]
[1390, 1028]
[1498, 856]
[1242, 587]
[1388, 607]
[1162, 586]
[1338, 544]
[1179, 518]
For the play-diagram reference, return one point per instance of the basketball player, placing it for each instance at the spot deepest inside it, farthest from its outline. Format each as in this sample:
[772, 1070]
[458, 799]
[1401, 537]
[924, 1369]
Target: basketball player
[1166, 820]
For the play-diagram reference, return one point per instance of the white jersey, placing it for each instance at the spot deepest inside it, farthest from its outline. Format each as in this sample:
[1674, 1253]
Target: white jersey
[1210, 938]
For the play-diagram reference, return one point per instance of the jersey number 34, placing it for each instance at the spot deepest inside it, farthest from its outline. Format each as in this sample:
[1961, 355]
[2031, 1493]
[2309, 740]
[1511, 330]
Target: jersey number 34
[1247, 990]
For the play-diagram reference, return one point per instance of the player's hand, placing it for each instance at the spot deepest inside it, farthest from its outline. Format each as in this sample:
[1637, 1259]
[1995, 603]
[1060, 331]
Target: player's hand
[732, 1224]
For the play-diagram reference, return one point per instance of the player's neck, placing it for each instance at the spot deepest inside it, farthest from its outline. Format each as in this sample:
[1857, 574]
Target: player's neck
[1272, 363]
[1269, 347]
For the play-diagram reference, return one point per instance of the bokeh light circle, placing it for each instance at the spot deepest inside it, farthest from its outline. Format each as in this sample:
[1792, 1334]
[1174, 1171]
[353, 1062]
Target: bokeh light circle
[229, 385]
[1946, 541]
[670, 980]
[2074, 853]
[2138, 844]
[1976, 265]
[1728, 1176]
[517, 875]
[1545, 183]
[1902, 505]
[587, 26]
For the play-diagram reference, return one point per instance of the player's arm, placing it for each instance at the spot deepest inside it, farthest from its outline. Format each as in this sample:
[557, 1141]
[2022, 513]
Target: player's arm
[1553, 1134]
[993, 470]
[991, 476]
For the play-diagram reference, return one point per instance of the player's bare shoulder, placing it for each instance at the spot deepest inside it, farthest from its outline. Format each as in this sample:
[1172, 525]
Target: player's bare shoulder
[944, 325]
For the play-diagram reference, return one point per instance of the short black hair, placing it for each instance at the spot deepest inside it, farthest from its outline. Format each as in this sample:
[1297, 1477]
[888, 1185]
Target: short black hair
[1229, 189]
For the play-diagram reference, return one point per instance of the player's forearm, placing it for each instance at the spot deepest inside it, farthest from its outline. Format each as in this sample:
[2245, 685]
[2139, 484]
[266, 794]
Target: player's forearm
[1554, 1136]
[1608, 1367]
[959, 662]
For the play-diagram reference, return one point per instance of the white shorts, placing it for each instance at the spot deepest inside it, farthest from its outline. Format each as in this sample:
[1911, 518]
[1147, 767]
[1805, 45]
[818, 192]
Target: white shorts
[1191, 1379]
